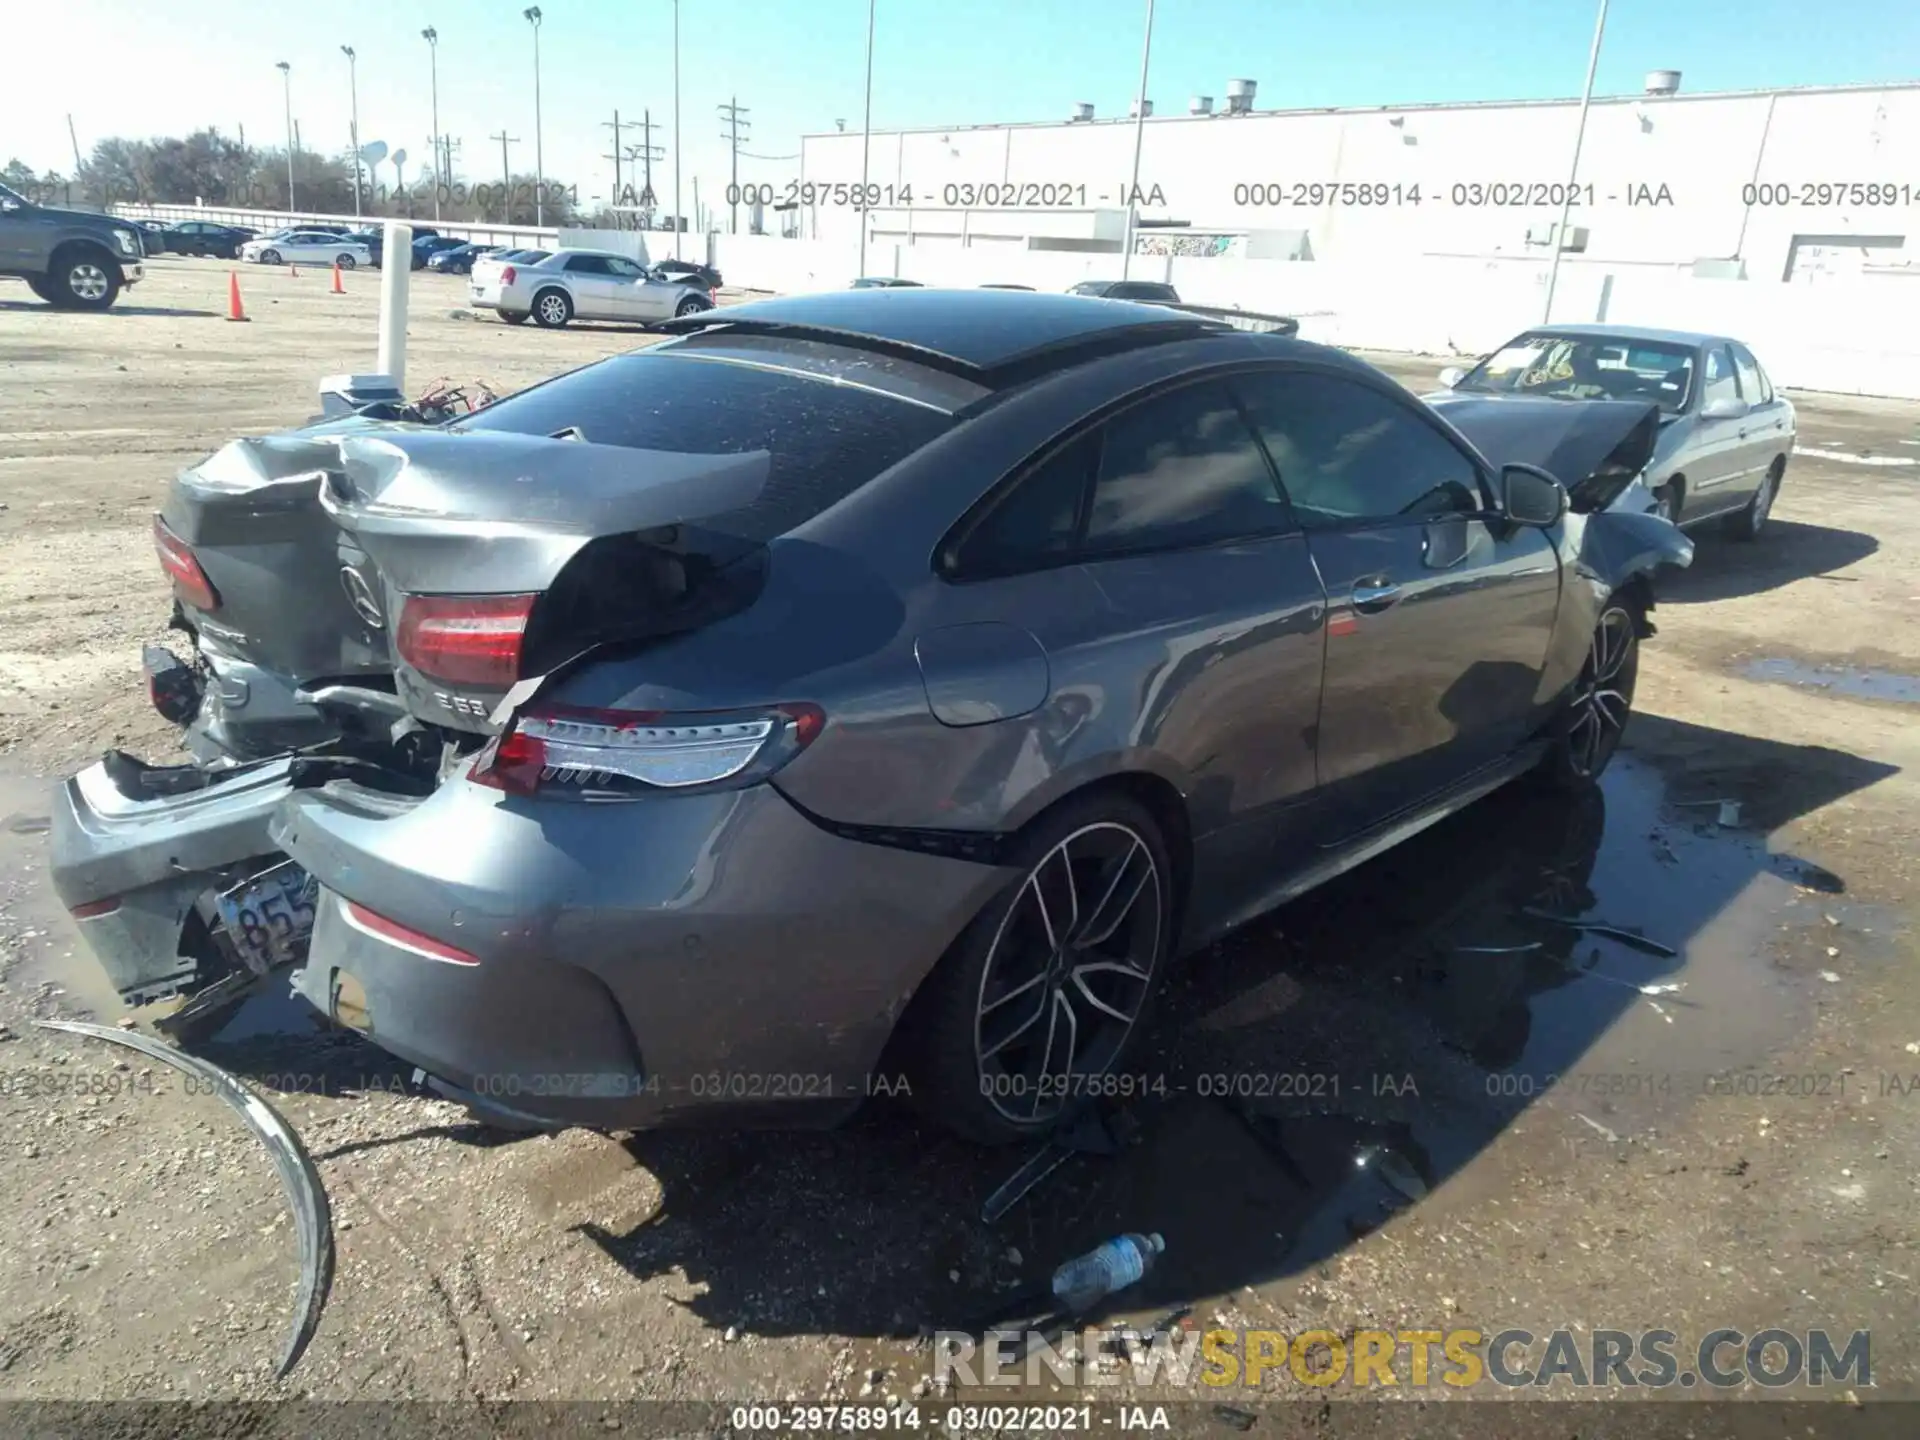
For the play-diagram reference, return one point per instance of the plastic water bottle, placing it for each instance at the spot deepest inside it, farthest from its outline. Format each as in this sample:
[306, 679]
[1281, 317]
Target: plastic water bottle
[1103, 1271]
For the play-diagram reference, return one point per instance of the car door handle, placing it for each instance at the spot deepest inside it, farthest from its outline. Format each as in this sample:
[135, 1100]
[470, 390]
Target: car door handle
[1371, 596]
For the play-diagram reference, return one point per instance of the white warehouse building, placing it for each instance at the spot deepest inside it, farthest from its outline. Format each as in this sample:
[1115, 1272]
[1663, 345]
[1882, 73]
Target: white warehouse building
[1790, 217]
[1775, 183]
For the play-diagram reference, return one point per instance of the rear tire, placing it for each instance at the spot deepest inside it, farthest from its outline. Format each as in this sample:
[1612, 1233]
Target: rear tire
[552, 309]
[1082, 937]
[1588, 733]
[514, 317]
[1751, 522]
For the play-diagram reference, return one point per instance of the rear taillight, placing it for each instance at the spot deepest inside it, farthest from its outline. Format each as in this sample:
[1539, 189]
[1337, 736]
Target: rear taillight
[464, 639]
[506, 275]
[183, 569]
[638, 751]
[91, 909]
[406, 937]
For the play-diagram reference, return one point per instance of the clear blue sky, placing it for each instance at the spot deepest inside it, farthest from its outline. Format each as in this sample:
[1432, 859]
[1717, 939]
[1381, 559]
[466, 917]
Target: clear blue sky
[147, 67]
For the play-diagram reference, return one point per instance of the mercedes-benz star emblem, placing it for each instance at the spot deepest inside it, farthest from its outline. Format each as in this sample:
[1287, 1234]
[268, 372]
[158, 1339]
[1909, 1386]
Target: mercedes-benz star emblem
[360, 596]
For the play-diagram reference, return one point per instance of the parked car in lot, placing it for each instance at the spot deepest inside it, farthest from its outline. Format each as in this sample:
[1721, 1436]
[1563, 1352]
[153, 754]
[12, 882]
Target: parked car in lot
[584, 285]
[458, 259]
[425, 247]
[76, 259]
[843, 670]
[1006, 287]
[689, 272]
[374, 240]
[1725, 433]
[1149, 290]
[308, 247]
[884, 282]
[204, 237]
[488, 266]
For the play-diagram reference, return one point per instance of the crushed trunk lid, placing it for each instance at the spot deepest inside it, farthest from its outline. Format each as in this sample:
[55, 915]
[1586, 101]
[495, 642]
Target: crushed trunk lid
[609, 539]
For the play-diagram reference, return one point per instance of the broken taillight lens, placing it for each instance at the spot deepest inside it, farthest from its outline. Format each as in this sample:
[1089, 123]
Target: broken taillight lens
[183, 568]
[464, 639]
[641, 751]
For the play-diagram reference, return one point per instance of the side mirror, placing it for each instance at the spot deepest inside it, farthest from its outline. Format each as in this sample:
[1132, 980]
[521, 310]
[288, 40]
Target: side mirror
[1529, 496]
[1727, 407]
[1452, 376]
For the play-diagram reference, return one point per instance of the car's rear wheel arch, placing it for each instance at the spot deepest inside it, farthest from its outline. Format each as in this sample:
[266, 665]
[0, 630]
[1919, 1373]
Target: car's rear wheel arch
[1161, 800]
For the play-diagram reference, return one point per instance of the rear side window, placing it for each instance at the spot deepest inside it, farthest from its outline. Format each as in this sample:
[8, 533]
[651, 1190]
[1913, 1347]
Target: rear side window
[588, 265]
[825, 441]
[1754, 388]
[1181, 469]
[1177, 471]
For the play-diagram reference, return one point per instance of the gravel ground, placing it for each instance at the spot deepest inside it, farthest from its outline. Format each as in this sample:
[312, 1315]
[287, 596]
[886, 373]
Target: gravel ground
[148, 1254]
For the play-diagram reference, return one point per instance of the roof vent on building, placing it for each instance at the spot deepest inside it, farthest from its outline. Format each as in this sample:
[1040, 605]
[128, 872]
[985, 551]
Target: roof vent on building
[1240, 96]
[1663, 82]
[1141, 107]
[1083, 111]
[1200, 105]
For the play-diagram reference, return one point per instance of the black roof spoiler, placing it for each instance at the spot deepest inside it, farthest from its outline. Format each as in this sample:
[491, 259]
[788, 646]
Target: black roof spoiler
[1020, 366]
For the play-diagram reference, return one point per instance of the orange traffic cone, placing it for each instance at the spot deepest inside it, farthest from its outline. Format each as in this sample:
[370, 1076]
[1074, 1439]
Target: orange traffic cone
[338, 288]
[234, 310]
[293, 269]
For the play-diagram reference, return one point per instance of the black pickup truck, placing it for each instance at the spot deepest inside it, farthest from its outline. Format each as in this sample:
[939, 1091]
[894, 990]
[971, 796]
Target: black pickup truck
[76, 259]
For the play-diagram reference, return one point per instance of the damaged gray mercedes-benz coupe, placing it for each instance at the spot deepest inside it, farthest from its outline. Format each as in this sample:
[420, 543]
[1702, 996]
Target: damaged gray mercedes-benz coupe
[855, 676]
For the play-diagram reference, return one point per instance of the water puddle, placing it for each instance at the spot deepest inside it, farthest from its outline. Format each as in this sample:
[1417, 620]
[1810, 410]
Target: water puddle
[1852, 681]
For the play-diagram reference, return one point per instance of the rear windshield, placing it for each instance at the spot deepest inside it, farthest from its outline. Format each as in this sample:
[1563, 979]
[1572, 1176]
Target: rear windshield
[825, 441]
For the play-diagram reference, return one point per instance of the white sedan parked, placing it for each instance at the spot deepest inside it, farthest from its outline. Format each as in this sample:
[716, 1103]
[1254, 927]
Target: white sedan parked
[307, 247]
[585, 285]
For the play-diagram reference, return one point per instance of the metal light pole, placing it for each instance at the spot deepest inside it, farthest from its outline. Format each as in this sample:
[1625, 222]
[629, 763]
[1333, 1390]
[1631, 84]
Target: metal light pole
[532, 12]
[1579, 134]
[1139, 134]
[432, 37]
[353, 90]
[286, 75]
[676, 129]
[866, 144]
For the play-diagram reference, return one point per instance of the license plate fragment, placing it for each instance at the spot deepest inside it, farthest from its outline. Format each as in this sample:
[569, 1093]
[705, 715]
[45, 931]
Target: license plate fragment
[269, 916]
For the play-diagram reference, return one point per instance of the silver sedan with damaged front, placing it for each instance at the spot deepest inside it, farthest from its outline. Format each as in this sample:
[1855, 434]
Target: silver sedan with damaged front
[1725, 433]
[585, 285]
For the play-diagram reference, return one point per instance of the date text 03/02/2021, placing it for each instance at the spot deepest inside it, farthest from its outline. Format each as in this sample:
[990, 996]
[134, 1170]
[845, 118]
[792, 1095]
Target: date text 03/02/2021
[1462, 194]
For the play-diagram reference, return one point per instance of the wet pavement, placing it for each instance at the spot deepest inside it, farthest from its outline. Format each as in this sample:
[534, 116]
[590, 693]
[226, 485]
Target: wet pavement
[1340, 1063]
[1853, 681]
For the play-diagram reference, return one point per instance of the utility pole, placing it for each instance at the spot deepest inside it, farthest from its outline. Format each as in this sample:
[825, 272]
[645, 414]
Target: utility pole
[532, 14]
[506, 175]
[1573, 169]
[432, 37]
[735, 118]
[648, 152]
[615, 157]
[76, 147]
[286, 76]
[866, 143]
[1139, 135]
[676, 129]
[353, 89]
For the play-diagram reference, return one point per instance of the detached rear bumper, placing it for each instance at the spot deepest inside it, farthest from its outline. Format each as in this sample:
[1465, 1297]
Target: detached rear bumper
[141, 857]
[700, 958]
